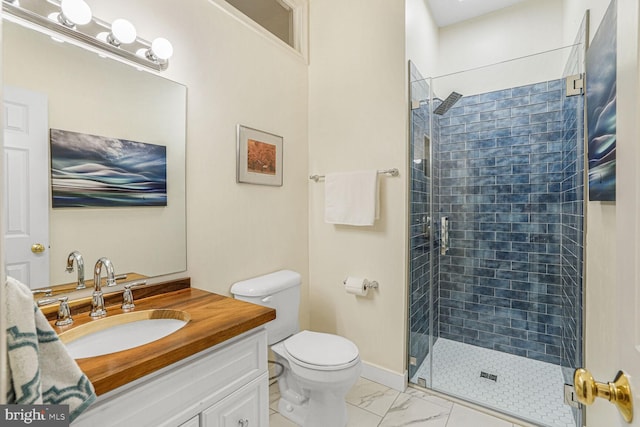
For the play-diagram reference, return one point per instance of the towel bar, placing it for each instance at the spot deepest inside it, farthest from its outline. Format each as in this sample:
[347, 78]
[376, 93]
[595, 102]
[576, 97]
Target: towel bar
[391, 172]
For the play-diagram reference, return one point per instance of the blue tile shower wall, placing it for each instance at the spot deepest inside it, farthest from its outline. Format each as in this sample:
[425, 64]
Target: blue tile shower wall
[501, 180]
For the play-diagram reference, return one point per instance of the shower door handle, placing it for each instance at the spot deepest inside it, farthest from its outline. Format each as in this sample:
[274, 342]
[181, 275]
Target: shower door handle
[617, 392]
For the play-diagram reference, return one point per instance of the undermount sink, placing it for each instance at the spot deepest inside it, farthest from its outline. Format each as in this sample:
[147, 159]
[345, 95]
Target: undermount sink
[122, 332]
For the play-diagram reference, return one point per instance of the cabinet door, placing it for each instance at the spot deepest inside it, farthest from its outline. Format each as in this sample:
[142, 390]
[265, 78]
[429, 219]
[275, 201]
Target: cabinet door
[193, 422]
[247, 407]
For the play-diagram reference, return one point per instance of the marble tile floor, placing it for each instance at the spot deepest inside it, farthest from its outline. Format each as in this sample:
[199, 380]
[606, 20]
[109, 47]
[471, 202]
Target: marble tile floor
[373, 405]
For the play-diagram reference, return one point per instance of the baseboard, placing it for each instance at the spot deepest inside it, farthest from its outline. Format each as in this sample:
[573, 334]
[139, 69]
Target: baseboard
[384, 376]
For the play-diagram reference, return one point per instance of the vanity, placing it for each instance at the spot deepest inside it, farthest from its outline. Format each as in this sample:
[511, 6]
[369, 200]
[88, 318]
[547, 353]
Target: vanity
[211, 372]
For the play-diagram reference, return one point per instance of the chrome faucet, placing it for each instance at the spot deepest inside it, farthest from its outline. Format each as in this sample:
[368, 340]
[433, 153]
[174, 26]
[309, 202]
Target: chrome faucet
[97, 303]
[77, 256]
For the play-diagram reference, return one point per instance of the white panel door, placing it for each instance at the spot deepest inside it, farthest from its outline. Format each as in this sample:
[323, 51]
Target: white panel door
[26, 192]
[613, 343]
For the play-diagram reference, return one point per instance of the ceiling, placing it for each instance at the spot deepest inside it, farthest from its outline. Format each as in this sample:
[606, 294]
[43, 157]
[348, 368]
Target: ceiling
[447, 12]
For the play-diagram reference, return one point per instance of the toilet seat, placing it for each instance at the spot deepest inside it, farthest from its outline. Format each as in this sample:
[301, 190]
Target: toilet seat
[320, 351]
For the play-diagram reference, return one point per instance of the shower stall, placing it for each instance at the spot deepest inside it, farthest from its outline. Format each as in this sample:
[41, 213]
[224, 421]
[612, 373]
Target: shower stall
[496, 232]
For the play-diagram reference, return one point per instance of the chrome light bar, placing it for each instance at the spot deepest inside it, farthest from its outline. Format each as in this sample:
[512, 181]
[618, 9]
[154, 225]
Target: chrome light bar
[46, 16]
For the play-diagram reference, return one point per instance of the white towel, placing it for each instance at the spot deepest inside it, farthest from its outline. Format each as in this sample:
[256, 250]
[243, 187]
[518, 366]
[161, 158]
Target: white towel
[41, 371]
[351, 198]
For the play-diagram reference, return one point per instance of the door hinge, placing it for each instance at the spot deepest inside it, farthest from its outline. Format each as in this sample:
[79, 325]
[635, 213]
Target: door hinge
[575, 84]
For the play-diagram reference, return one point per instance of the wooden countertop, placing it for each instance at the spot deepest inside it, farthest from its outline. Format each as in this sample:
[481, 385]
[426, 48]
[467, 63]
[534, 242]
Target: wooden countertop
[214, 319]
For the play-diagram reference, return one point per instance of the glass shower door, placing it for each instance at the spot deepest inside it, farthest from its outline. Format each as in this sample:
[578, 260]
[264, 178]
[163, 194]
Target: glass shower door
[502, 304]
[421, 238]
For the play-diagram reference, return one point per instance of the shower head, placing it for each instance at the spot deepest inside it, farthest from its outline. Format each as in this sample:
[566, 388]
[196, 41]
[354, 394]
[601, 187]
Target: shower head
[447, 103]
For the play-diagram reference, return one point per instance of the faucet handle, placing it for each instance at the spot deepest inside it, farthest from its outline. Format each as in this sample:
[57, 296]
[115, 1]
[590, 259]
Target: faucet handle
[46, 291]
[127, 298]
[46, 301]
[97, 305]
[127, 295]
[64, 313]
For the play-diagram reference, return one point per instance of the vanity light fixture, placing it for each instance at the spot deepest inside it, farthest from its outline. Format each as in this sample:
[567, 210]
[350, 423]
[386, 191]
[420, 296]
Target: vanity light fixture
[72, 21]
[161, 50]
[122, 31]
[74, 12]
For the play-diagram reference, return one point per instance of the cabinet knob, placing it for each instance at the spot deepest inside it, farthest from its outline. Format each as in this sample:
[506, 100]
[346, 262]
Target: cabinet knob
[243, 423]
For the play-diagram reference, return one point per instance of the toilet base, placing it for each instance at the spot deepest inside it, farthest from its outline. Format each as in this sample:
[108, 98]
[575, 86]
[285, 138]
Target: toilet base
[292, 411]
[312, 412]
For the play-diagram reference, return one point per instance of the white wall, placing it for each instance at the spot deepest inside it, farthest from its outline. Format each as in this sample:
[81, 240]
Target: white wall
[358, 120]
[234, 75]
[573, 13]
[422, 36]
[521, 30]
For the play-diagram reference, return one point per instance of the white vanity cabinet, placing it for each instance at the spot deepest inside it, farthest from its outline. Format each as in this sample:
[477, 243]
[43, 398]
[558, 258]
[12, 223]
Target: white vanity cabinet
[225, 385]
[244, 408]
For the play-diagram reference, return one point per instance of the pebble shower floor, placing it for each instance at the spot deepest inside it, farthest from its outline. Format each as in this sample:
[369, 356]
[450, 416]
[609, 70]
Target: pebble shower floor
[524, 388]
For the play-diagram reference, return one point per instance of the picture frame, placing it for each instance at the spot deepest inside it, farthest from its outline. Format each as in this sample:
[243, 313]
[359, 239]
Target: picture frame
[259, 157]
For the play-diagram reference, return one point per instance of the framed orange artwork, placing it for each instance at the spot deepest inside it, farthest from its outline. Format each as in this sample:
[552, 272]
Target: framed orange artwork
[259, 157]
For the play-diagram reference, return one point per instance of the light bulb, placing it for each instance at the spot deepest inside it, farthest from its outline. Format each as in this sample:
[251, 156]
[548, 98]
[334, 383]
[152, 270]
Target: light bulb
[122, 31]
[161, 49]
[74, 12]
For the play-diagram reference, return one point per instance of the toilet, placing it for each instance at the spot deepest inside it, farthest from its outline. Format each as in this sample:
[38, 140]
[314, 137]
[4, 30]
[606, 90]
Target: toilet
[318, 369]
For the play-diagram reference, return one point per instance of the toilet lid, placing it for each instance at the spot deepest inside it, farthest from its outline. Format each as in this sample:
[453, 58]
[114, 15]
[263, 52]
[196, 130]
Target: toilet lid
[316, 348]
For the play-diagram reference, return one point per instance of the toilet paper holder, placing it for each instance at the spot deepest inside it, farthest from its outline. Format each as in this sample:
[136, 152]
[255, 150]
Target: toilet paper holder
[367, 284]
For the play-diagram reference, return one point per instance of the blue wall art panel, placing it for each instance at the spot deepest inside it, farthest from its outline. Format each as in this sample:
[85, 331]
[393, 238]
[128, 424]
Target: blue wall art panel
[601, 109]
[97, 171]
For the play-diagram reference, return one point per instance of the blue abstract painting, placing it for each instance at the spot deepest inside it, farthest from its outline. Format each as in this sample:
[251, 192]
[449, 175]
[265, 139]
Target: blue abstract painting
[601, 109]
[97, 171]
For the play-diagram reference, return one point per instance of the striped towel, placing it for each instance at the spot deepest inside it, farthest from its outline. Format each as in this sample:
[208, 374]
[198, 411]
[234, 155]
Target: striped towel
[40, 368]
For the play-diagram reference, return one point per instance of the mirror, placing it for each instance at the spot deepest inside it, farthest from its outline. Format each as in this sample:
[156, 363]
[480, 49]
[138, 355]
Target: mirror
[92, 95]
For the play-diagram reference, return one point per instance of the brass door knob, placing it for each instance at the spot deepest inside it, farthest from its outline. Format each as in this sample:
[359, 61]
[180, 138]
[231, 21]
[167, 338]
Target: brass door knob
[37, 248]
[617, 392]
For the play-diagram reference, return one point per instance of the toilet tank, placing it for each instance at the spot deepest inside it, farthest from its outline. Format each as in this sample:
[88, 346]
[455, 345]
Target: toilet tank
[279, 290]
